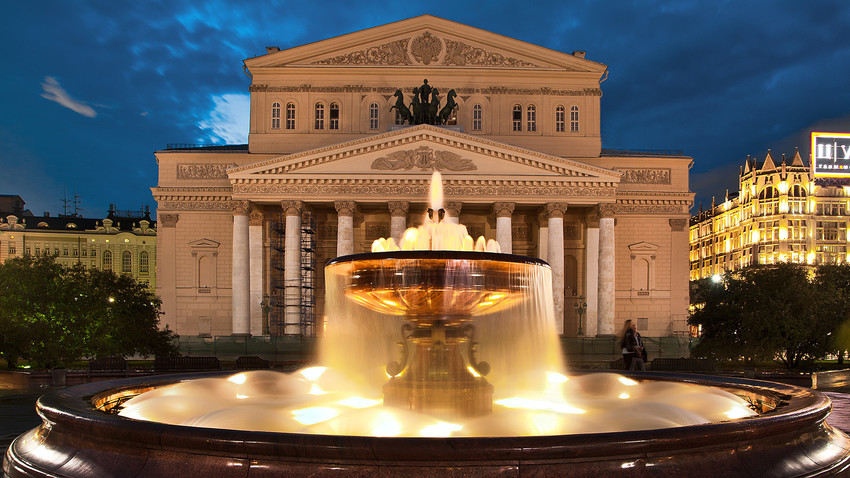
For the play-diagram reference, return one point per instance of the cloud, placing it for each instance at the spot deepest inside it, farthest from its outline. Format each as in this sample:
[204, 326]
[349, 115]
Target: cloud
[53, 91]
[228, 120]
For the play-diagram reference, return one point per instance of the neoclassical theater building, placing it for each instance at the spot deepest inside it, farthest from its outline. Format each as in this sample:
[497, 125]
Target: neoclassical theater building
[331, 165]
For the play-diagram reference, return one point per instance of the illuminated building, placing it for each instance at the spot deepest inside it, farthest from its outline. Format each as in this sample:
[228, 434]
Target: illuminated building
[784, 211]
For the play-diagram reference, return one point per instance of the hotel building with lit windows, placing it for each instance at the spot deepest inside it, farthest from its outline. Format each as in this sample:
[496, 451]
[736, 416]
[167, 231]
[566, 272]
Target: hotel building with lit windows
[784, 211]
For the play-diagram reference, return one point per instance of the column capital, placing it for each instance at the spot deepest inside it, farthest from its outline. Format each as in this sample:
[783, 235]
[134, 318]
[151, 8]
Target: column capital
[543, 219]
[503, 209]
[345, 208]
[592, 218]
[678, 224]
[292, 208]
[255, 217]
[398, 208]
[167, 220]
[240, 208]
[556, 209]
[452, 208]
[606, 211]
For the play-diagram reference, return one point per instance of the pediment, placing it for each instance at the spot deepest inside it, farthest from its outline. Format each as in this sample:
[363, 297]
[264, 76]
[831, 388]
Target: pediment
[204, 244]
[643, 248]
[425, 41]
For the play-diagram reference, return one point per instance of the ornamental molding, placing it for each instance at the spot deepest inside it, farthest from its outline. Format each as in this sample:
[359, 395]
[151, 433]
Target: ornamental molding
[292, 208]
[345, 208]
[203, 171]
[556, 210]
[453, 208]
[678, 224]
[161, 194]
[426, 49]
[645, 176]
[167, 220]
[224, 205]
[607, 211]
[398, 208]
[424, 158]
[447, 138]
[504, 209]
[418, 189]
[240, 208]
[653, 206]
[389, 90]
[255, 218]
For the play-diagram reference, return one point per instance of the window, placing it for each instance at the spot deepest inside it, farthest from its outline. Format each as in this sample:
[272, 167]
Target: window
[290, 116]
[85, 252]
[276, 116]
[320, 116]
[38, 251]
[64, 251]
[126, 262]
[334, 116]
[94, 252]
[559, 119]
[107, 260]
[574, 119]
[477, 118]
[75, 252]
[531, 115]
[517, 118]
[144, 263]
[373, 116]
[11, 248]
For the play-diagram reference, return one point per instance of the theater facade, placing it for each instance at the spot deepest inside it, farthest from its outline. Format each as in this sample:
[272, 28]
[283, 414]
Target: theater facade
[332, 164]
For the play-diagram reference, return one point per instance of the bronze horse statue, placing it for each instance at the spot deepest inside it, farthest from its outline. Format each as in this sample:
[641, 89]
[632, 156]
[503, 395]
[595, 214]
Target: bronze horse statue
[446, 112]
[403, 110]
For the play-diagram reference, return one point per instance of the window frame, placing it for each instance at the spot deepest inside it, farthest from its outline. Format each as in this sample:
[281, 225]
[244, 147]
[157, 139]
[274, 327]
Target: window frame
[276, 115]
[290, 116]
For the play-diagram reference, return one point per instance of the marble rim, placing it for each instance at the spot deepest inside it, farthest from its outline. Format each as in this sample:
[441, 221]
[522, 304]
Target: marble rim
[438, 255]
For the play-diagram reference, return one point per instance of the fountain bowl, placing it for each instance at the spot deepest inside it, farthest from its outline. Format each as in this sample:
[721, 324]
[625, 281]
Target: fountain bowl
[78, 438]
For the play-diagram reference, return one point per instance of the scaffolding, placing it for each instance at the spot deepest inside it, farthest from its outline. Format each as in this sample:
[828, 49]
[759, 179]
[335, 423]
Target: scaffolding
[277, 281]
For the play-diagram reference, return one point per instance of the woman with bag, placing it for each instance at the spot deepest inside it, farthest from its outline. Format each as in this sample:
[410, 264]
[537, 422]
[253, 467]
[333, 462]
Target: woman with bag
[634, 353]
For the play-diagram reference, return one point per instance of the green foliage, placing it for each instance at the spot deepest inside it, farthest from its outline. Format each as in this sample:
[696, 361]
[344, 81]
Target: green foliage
[53, 315]
[784, 313]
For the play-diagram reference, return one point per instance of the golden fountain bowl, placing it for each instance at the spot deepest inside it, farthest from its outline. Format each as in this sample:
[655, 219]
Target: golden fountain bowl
[425, 286]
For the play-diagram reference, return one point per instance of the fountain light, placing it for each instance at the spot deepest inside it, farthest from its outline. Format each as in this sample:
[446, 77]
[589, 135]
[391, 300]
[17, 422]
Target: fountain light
[313, 415]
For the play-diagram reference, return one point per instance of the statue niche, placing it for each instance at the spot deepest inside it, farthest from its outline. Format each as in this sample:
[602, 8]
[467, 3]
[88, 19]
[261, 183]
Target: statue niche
[425, 106]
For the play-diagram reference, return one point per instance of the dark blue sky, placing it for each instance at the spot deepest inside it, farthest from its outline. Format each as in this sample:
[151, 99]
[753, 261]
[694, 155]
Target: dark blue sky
[93, 88]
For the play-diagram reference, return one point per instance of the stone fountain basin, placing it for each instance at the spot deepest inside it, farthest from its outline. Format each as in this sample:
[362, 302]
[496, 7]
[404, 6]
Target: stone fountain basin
[77, 439]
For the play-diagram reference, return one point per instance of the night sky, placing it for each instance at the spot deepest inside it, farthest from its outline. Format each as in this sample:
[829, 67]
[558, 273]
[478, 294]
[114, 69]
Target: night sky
[92, 88]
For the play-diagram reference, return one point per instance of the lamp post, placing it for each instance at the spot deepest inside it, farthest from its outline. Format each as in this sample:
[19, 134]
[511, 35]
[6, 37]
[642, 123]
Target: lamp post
[265, 307]
[580, 307]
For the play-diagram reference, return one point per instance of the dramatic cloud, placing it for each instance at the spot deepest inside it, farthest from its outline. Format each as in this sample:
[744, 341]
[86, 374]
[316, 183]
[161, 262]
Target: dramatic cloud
[53, 91]
[228, 120]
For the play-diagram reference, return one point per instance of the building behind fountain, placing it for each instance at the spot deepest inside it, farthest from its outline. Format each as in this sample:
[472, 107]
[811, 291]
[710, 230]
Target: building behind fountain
[246, 230]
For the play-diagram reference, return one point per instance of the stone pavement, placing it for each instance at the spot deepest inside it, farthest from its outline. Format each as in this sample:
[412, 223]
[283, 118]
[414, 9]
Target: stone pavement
[840, 416]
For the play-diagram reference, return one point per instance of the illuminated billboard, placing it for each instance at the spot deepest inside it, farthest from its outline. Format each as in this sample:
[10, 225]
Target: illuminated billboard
[831, 154]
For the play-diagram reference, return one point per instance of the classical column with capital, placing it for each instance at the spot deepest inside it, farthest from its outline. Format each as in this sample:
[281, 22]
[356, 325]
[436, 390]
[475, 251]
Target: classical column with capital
[556, 211]
[607, 259]
[292, 267]
[398, 219]
[241, 265]
[345, 227]
[591, 262]
[255, 246]
[503, 211]
[453, 211]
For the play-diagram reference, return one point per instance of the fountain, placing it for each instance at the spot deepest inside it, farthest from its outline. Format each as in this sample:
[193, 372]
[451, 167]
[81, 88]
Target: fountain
[440, 356]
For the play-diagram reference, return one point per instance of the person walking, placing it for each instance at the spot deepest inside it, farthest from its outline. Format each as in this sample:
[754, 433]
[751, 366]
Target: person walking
[634, 353]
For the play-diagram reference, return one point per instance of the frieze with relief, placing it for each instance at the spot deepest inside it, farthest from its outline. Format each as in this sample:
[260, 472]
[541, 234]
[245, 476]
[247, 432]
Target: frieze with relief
[376, 230]
[392, 53]
[645, 176]
[203, 171]
[196, 205]
[417, 190]
[461, 54]
[425, 159]
[571, 231]
[316, 89]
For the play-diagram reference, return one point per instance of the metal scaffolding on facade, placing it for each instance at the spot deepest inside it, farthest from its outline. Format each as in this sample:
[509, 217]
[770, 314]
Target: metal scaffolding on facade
[277, 277]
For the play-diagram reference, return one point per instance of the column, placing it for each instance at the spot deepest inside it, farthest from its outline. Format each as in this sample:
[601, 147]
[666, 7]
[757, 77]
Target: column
[166, 274]
[257, 275]
[292, 267]
[240, 266]
[398, 219]
[543, 236]
[503, 211]
[556, 211]
[453, 211]
[591, 278]
[345, 227]
[679, 274]
[607, 298]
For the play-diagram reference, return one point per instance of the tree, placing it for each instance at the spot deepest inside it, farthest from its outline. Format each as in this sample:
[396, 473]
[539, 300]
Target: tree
[54, 315]
[763, 313]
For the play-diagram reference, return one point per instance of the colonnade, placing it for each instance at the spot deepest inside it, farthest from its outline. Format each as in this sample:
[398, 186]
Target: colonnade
[247, 267]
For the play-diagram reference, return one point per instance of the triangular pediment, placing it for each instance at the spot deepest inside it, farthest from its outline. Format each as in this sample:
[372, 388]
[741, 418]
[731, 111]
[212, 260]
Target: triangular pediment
[425, 41]
[204, 244]
[643, 248]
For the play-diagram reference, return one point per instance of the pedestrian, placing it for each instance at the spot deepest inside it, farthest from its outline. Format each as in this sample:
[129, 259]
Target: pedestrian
[634, 353]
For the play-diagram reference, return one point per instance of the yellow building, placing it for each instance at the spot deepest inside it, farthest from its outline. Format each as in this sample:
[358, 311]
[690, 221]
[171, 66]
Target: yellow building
[124, 242]
[782, 212]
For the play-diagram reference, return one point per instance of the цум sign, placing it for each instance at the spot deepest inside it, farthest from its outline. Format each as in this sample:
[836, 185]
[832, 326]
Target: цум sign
[831, 154]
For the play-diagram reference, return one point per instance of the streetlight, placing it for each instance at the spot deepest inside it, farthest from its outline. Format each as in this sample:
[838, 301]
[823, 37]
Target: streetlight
[265, 307]
[580, 307]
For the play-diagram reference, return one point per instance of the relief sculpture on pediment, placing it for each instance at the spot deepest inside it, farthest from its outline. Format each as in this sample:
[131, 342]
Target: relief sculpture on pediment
[392, 53]
[424, 158]
[461, 54]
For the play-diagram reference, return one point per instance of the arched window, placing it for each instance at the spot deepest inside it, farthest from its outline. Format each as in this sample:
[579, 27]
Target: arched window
[107, 260]
[334, 116]
[290, 116]
[126, 262]
[517, 118]
[768, 193]
[144, 263]
[276, 116]
[320, 116]
[531, 114]
[477, 118]
[559, 119]
[373, 116]
[574, 119]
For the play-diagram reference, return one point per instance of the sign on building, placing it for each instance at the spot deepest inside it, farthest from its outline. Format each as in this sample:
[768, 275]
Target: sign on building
[831, 154]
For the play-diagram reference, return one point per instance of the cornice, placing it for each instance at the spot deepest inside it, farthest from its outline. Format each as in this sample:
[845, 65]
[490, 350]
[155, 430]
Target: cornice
[489, 91]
